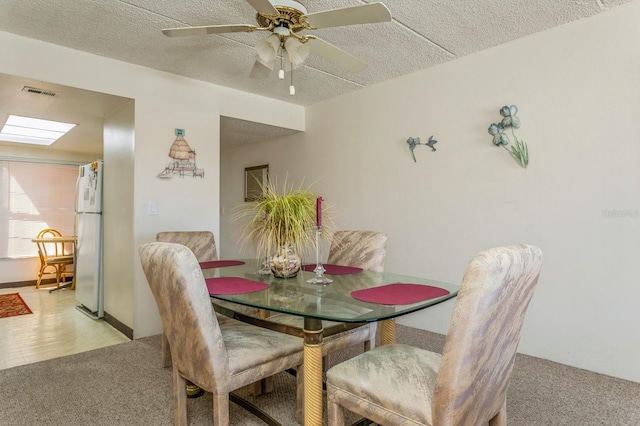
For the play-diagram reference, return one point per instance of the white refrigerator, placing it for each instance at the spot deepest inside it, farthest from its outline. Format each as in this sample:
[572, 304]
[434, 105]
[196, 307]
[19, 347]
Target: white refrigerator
[89, 232]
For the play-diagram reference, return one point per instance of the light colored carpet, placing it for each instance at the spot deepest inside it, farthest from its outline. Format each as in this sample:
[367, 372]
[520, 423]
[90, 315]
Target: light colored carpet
[125, 385]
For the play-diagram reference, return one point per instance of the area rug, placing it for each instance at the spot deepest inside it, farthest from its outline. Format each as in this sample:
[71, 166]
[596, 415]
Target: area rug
[12, 305]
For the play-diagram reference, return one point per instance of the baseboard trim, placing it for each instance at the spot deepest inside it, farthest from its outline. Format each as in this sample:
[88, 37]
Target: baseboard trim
[18, 284]
[27, 283]
[122, 328]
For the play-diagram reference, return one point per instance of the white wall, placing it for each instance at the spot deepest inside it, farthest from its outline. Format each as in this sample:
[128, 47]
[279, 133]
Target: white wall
[577, 88]
[118, 193]
[163, 102]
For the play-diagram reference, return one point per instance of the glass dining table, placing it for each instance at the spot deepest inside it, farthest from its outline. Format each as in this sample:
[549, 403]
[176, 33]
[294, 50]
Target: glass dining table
[343, 301]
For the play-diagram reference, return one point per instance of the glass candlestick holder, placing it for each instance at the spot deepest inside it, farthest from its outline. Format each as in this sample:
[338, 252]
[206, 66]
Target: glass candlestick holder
[266, 268]
[319, 270]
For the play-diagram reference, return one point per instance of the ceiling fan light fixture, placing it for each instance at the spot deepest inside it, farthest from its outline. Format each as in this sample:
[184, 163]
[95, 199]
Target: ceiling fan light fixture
[282, 31]
[295, 53]
[267, 50]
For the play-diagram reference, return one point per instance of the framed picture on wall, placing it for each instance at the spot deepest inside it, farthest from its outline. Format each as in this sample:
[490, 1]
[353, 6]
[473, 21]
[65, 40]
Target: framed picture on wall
[254, 178]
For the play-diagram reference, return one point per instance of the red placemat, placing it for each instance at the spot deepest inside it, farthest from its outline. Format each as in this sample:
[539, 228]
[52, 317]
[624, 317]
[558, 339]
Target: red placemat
[220, 263]
[233, 285]
[399, 294]
[334, 269]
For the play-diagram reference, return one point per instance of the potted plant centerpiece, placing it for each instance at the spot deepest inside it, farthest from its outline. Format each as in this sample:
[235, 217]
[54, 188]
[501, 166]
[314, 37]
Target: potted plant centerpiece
[281, 223]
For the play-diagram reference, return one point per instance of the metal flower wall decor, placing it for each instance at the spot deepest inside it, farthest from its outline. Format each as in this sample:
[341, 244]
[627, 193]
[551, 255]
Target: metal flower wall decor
[413, 142]
[518, 150]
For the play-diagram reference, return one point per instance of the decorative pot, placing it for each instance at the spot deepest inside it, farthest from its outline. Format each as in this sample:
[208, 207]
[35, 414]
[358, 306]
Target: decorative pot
[285, 264]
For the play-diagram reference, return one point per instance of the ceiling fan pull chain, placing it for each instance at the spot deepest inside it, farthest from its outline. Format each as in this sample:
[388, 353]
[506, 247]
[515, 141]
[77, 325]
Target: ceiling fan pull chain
[292, 89]
[281, 72]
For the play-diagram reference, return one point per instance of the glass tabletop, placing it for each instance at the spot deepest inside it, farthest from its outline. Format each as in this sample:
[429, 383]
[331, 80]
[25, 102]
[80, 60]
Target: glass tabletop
[324, 301]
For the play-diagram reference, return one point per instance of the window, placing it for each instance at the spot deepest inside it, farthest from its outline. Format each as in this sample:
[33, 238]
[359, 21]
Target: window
[34, 196]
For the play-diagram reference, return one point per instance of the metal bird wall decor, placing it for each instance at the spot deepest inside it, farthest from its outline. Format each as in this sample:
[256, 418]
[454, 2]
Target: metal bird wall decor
[413, 142]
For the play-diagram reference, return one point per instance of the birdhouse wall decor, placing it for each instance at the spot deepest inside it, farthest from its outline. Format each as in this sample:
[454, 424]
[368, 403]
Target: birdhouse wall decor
[183, 159]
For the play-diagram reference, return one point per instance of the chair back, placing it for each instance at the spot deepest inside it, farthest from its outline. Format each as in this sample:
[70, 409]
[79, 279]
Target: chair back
[48, 250]
[201, 243]
[483, 335]
[361, 249]
[189, 323]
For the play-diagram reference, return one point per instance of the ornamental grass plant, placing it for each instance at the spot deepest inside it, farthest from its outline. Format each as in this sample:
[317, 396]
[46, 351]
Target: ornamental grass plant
[280, 217]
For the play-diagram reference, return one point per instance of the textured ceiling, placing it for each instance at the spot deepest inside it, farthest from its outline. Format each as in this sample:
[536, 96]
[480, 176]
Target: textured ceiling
[423, 33]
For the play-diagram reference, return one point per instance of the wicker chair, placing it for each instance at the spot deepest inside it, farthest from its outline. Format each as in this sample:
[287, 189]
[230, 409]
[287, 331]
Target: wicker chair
[53, 255]
[467, 385]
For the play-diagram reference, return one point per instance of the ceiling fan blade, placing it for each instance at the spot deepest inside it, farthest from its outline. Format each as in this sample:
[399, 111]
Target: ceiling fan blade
[263, 6]
[259, 71]
[337, 56]
[206, 30]
[364, 14]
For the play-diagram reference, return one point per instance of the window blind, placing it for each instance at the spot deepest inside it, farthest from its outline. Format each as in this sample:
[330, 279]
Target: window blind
[34, 196]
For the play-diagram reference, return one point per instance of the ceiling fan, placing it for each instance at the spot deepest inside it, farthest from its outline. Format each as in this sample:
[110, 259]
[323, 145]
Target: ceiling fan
[284, 19]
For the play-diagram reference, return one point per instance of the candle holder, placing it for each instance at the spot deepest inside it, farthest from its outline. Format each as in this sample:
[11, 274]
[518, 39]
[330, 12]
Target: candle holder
[319, 269]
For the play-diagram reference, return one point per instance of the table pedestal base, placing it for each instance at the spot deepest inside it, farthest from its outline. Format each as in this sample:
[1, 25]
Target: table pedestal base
[387, 332]
[313, 399]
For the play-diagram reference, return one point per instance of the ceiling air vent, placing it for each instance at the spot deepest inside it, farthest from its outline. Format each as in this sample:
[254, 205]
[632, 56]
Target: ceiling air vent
[37, 91]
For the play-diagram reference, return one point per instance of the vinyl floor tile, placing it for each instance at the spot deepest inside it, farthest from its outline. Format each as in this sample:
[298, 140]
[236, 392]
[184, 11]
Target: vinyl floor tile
[54, 329]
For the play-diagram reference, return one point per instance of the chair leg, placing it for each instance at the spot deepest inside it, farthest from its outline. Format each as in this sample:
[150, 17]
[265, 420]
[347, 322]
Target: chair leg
[500, 419]
[58, 275]
[335, 414]
[166, 352]
[368, 345]
[220, 409]
[39, 278]
[268, 385]
[43, 267]
[179, 399]
[371, 343]
[255, 388]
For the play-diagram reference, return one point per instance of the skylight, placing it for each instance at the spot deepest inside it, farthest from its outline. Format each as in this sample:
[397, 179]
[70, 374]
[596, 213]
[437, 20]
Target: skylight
[33, 130]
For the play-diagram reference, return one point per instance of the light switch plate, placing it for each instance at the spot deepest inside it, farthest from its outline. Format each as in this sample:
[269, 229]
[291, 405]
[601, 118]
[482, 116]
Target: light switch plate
[152, 208]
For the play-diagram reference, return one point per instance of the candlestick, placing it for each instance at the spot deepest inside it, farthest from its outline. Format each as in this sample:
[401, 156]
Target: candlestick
[319, 269]
[319, 212]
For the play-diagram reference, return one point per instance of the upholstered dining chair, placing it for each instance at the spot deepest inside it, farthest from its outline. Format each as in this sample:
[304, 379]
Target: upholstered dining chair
[362, 249]
[53, 256]
[203, 245]
[467, 385]
[218, 358]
